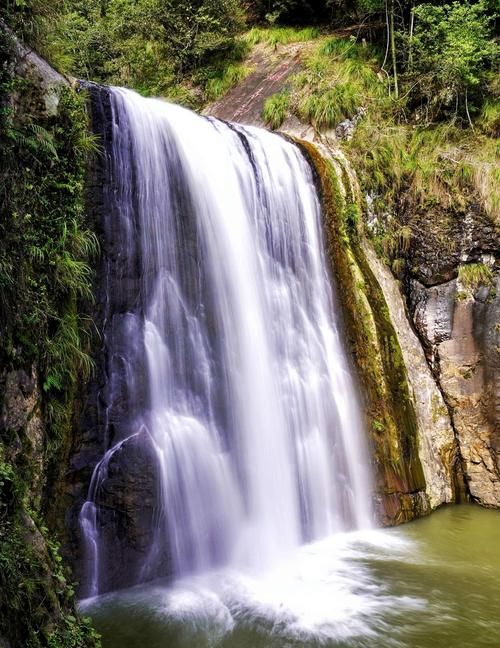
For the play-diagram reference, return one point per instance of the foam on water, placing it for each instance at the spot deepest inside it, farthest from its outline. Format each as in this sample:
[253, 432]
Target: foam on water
[324, 592]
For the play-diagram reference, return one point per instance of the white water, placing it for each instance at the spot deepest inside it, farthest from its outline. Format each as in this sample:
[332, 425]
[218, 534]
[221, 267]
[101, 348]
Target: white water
[246, 394]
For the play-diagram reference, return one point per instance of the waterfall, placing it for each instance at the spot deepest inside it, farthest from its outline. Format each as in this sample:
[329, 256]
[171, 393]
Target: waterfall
[223, 346]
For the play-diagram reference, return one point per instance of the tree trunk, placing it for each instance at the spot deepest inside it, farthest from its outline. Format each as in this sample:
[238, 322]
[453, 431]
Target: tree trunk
[410, 41]
[393, 51]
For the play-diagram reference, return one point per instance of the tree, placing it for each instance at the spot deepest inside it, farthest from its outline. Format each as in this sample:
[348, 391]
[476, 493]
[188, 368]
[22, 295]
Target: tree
[452, 51]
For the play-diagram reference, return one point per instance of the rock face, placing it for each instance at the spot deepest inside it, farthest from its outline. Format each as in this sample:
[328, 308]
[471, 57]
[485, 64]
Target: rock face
[458, 323]
[438, 448]
[21, 421]
[270, 69]
[128, 504]
[41, 95]
[461, 332]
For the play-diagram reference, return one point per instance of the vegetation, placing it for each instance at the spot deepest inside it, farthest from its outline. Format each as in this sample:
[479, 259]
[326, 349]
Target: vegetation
[473, 275]
[439, 59]
[275, 109]
[159, 47]
[418, 80]
[280, 35]
[45, 250]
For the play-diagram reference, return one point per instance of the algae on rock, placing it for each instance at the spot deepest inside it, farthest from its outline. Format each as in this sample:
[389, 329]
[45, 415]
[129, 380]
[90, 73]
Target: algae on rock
[400, 484]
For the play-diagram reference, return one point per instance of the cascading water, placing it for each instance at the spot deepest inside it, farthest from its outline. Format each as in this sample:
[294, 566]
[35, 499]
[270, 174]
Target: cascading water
[229, 356]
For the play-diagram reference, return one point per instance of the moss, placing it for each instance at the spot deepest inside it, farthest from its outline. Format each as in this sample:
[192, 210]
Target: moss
[377, 354]
[437, 408]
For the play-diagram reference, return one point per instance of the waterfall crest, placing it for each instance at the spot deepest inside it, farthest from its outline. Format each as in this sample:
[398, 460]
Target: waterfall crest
[222, 338]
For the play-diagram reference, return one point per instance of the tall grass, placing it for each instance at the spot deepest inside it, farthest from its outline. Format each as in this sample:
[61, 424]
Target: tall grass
[226, 79]
[473, 275]
[335, 82]
[275, 109]
[280, 35]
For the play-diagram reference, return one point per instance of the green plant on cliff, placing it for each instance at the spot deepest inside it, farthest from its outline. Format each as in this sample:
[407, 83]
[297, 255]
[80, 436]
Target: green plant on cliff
[45, 248]
[280, 35]
[338, 79]
[45, 245]
[221, 80]
[473, 275]
[179, 49]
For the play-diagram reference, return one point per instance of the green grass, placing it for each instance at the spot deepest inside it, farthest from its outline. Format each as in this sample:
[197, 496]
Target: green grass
[275, 109]
[337, 79]
[489, 119]
[280, 35]
[473, 275]
[226, 79]
[327, 109]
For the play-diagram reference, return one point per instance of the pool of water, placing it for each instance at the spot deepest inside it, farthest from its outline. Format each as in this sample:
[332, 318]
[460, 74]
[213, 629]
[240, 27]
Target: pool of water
[433, 583]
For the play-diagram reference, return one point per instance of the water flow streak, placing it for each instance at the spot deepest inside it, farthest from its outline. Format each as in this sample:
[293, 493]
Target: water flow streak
[234, 367]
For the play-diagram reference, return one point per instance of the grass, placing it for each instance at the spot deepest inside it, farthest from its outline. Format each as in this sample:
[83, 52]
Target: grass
[489, 119]
[337, 79]
[275, 109]
[280, 35]
[473, 275]
[329, 108]
[224, 80]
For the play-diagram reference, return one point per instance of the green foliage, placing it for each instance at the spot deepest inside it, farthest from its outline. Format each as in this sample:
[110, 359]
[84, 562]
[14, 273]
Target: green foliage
[34, 587]
[328, 108]
[473, 275]
[489, 119]
[339, 77]
[44, 244]
[44, 275]
[452, 51]
[158, 47]
[275, 109]
[222, 80]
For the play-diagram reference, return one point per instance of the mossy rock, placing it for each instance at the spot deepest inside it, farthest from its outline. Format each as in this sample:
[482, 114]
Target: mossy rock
[390, 416]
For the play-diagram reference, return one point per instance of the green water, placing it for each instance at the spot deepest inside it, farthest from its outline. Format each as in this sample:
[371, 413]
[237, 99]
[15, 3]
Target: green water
[433, 583]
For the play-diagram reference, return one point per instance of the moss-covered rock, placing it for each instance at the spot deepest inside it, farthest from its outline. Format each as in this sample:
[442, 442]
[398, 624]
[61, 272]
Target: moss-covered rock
[44, 243]
[390, 414]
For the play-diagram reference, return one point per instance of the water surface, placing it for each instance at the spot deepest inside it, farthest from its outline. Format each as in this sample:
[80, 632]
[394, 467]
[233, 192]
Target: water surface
[433, 583]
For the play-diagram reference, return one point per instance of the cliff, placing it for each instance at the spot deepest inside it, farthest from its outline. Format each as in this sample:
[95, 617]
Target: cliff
[440, 315]
[424, 338]
[42, 169]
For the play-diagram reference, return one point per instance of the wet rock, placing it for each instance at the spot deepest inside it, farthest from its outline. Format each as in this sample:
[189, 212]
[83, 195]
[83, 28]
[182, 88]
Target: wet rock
[128, 520]
[345, 130]
[21, 424]
[444, 239]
